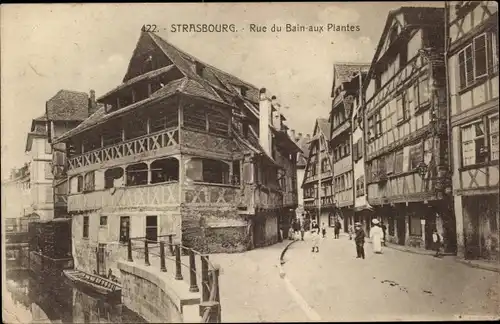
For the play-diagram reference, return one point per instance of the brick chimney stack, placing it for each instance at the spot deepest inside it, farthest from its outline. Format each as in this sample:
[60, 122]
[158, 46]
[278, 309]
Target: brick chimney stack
[92, 103]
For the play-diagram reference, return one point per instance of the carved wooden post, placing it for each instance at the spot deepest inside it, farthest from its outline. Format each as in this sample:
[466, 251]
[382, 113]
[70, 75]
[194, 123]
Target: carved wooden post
[205, 292]
[178, 270]
[129, 245]
[146, 252]
[193, 286]
[162, 257]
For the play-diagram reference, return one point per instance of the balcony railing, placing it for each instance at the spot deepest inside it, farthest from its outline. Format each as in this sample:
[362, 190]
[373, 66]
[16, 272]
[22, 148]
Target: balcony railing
[212, 194]
[161, 194]
[150, 142]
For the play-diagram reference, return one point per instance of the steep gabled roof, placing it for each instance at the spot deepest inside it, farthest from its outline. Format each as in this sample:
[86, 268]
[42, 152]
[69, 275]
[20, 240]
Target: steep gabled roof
[67, 105]
[345, 72]
[303, 144]
[324, 127]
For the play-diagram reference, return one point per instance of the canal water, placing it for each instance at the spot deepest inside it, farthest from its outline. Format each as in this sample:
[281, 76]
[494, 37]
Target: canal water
[27, 299]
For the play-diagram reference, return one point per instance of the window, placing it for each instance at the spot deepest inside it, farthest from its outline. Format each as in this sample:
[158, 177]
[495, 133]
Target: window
[152, 228]
[195, 117]
[473, 145]
[210, 171]
[493, 137]
[423, 91]
[218, 123]
[390, 163]
[89, 181]
[473, 59]
[236, 173]
[360, 186]
[103, 221]
[480, 59]
[79, 186]
[165, 170]
[48, 147]
[137, 174]
[402, 106]
[124, 229]
[416, 155]
[398, 162]
[48, 170]
[111, 176]
[324, 165]
[85, 227]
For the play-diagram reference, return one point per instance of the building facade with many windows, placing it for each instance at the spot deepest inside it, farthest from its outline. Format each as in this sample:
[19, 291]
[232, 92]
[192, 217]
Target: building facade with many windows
[179, 148]
[472, 31]
[407, 159]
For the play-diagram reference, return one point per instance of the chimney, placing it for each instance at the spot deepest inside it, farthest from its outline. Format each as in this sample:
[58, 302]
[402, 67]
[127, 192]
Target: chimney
[92, 103]
[276, 114]
[264, 119]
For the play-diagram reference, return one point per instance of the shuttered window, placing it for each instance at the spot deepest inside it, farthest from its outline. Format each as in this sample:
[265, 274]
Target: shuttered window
[480, 59]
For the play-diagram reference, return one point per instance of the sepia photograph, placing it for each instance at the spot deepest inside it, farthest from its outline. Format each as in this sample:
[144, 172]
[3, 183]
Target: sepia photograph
[250, 162]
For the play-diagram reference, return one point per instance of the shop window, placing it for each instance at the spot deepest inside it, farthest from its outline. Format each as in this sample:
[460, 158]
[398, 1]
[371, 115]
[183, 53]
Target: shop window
[152, 228]
[124, 229]
[85, 226]
[165, 170]
[415, 226]
[473, 145]
[111, 177]
[137, 174]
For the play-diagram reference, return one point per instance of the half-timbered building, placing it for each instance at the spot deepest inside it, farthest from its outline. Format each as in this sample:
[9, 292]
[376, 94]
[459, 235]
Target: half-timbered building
[183, 148]
[472, 32]
[303, 143]
[347, 78]
[408, 176]
[317, 185]
[64, 111]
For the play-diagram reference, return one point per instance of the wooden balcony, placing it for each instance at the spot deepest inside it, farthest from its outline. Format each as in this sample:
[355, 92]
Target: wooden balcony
[477, 180]
[108, 200]
[156, 144]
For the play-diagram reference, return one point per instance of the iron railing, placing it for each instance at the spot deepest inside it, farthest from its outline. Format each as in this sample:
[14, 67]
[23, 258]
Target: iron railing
[210, 308]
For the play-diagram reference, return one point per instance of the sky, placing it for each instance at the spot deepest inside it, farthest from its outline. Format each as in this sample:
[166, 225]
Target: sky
[48, 47]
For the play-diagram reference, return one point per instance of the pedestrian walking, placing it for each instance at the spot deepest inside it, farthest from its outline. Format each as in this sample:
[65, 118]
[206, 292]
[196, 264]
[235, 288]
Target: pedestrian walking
[338, 226]
[323, 229]
[359, 240]
[384, 229]
[296, 227]
[376, 235]
[436, 240]
[315, 236]
[302, 230]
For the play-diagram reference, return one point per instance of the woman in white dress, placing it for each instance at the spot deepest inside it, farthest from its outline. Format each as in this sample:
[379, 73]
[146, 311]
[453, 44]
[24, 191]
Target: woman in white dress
[376, 235]
[315, 236]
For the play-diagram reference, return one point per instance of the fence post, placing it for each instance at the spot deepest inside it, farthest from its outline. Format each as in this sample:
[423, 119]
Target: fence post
[162, 257]
[171, 244]
[130, 251]
[205, 292]
[193, 286]
[146, 252]
[178, 269]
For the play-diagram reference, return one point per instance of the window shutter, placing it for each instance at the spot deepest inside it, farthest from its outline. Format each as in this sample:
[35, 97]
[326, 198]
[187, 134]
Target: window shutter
[480, 58]
[469, 67]
[462, 70]
[355, 152]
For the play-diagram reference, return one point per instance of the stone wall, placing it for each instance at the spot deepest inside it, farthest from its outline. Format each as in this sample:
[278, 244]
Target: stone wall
[156, 296]
[214, 230]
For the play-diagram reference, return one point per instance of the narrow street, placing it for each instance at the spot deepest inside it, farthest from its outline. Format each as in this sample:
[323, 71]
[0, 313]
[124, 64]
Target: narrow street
[393, 286]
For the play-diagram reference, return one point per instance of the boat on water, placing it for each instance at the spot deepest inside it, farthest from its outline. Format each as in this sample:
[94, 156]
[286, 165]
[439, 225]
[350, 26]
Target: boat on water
[95, 283]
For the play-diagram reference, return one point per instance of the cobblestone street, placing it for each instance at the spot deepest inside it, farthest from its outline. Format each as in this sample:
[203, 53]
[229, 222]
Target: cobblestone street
[393, 286]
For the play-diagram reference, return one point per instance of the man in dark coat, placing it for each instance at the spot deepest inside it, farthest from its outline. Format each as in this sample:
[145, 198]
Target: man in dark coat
[384, 229]
[359, 240]
[338, 226]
